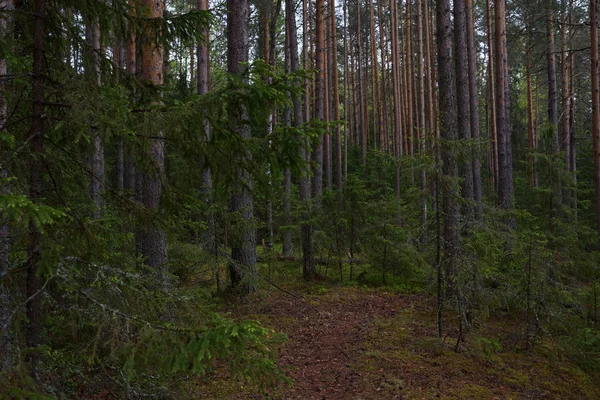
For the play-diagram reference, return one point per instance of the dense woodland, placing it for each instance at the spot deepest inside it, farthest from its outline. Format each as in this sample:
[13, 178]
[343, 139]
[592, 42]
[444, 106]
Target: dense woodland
[165, 164]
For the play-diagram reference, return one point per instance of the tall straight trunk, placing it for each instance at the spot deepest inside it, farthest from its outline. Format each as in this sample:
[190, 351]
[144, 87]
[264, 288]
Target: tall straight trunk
[355, 108]
[319, 106]
[421, 108]
[474, 108]
[36, 182]
[129, 174]
[5, 328]
[327, 146]
[462, 101]
[396, 82]
[551, 69]
[119, 63]
[152, 239]
[448, 134]
[595, 104]
[573, 161]
[203, 82]
[242, 267]
[287, 121]
[347, 92]
[203, 86]
[361, 93]
[530, 124]
[96, 186]
[305, 58]
[383, 92]
[493, 134]
[409, 68]
[505, 182]
[376, 102]
[565, 124]
[336, 101]
[308, 260]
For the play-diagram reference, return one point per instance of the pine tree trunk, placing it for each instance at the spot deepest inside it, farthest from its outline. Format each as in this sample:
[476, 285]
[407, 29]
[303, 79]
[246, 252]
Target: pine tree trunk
[153, 240]
[551, 56]
[327, 147]
[474, 109]
[410, 106]
[5, 326]
[382, 96]
[421, 110]
[565, 124]
[573, 162]
[595, 104]
[462, 102]
[336, 102]
[347, 92]
[319, 107]
[361, 93]
[494, 164]
[36, 183]
[97, 146]
[131, 67]
[242, 267]
[448, 133]
[505, 182]
[396, 82]
[308, 259]
[530, 126]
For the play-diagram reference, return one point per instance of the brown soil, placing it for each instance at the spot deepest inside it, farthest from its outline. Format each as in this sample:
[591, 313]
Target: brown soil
[355, 344]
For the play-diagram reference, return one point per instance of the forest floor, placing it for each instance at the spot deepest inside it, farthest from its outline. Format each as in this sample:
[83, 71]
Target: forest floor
[357, 343]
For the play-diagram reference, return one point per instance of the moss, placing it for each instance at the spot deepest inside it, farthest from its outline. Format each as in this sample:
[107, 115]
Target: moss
[474, 391]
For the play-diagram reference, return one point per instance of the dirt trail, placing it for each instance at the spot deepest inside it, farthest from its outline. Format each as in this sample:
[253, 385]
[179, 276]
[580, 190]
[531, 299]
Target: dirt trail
[326, 336]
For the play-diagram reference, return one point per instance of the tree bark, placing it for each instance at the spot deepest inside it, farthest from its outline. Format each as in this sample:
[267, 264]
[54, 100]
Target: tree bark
[336, 103]
[448, 134]
[361, 93]
[36, 183]
[242, 267]
[5, 328]
[565, 124]
[494, 164]
[96, 186]
[595, 105]
[319, 107]
[308, 259]
[462, 102]
[474, 109]
[153, 240]
[505, 182]
[421, 110]
[551, 58]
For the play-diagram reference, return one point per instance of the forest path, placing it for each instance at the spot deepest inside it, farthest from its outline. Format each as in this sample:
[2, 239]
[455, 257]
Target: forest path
[326, 336]
[358, 344]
